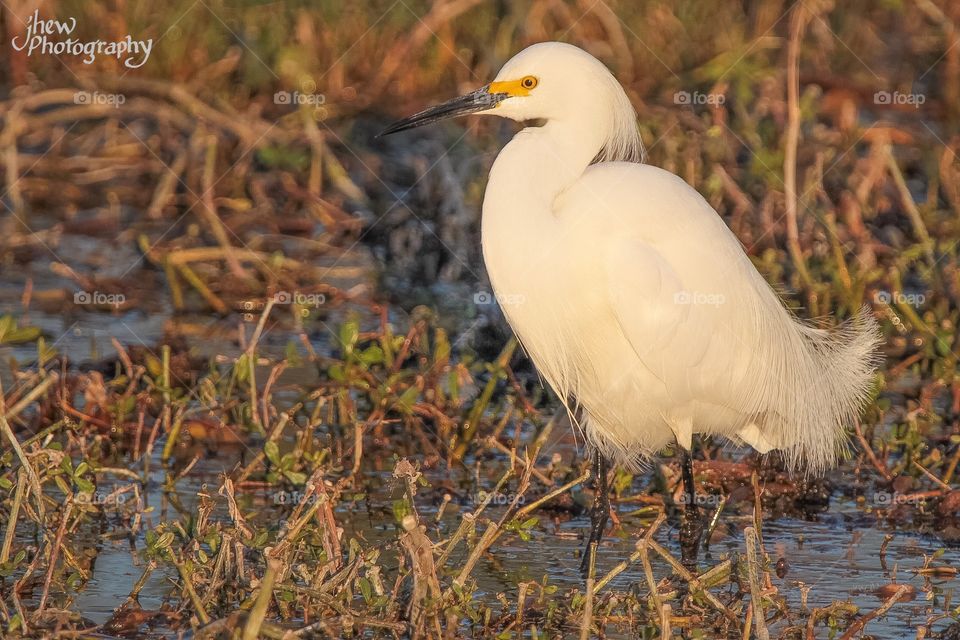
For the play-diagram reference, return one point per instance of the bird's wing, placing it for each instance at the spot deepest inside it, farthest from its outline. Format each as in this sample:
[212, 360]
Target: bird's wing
[681, 335]
[648, 300]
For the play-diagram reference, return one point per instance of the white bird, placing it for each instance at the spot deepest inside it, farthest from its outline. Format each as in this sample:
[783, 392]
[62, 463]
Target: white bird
[637, 304]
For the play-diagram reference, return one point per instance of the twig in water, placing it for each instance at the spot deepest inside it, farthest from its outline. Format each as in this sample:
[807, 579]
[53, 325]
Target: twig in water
[54, 554]
[879, 466]
[862, 621]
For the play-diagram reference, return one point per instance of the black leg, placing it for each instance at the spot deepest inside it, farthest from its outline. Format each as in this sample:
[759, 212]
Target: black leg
[691, 526]
[600, 511]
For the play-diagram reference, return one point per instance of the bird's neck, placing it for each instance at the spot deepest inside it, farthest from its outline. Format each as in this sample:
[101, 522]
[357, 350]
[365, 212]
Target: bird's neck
[519, 214]
[540, 162]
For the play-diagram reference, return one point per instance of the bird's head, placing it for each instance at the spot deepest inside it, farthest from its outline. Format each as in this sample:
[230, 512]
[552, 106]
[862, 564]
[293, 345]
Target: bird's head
[550, 82]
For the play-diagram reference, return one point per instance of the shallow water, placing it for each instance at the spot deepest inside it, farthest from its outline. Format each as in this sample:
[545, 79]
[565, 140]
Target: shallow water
[834, 554]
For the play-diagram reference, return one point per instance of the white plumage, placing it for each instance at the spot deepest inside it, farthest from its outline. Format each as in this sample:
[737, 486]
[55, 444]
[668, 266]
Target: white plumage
[635, 301]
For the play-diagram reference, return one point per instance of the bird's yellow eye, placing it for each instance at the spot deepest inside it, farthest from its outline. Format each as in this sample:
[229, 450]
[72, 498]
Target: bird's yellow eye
[514, 88]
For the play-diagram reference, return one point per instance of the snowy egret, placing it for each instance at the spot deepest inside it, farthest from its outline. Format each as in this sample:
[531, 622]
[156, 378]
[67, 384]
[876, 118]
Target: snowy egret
[637, 304]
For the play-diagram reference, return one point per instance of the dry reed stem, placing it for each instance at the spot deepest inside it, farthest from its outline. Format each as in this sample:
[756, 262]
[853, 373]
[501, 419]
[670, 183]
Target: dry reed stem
[586, 622]
[6, 414]
[55, 547]
[799, 17]
[692, 580]
[14, 515]
[753, 568]
[251, 630]
[426, 584]
[916, 220]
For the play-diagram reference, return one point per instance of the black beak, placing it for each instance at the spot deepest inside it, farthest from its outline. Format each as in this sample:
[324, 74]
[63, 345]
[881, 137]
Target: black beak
[479, 100]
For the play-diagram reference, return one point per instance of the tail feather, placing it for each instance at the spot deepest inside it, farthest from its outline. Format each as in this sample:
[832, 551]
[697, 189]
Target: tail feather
[829, 378]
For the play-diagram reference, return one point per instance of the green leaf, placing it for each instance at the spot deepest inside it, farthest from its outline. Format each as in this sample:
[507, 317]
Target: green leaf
[366, 589]
[295, 477]
[10, 333]
[164, 541]
[405, 401]
[242, 368]
[292, 356]
[372, 355]
[400, 510]
[349, 334]
[284, 157]
[154, 366]
[272, 451]
[44, 353]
